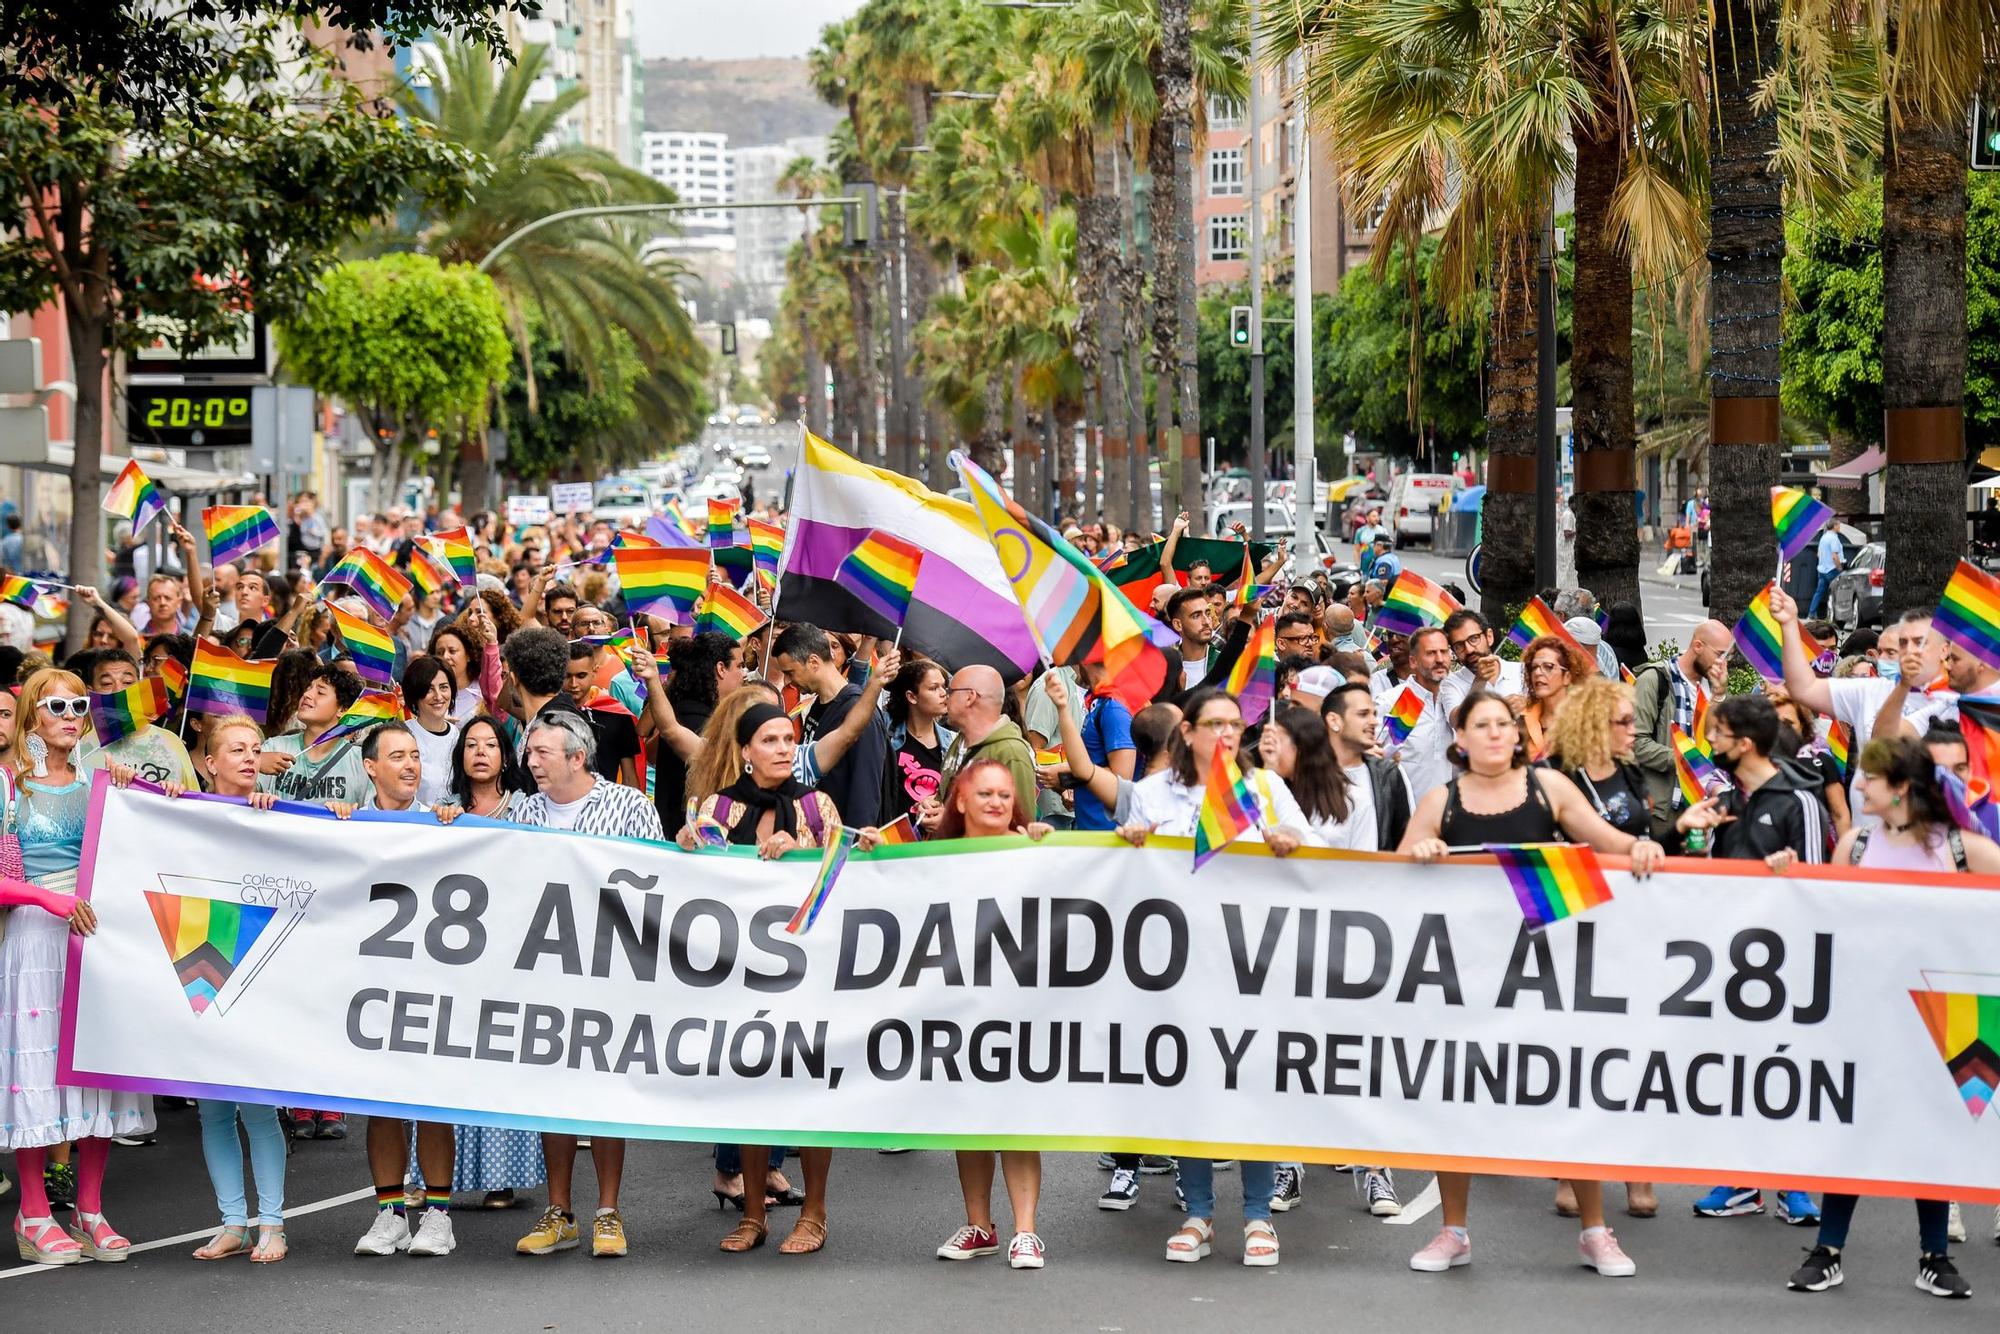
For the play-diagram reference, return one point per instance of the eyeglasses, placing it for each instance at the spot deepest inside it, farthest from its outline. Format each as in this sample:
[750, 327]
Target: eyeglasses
[954, 690]
[1461, 645]
[1221, 726]
[1537, 667]
[65, 706]
[1305, 638]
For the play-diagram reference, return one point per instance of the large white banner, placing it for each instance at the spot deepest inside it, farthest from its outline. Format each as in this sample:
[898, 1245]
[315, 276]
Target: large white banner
[1825, 1030]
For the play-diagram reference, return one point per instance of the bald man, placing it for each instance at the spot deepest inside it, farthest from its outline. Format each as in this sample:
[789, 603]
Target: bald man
[973, 710]
[1664, 694]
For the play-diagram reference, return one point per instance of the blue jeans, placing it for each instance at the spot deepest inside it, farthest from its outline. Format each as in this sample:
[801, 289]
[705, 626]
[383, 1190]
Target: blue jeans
[729, 1159]
[1933, 1222]
[1819, 594]
[224, 1154]
[1197, 1177]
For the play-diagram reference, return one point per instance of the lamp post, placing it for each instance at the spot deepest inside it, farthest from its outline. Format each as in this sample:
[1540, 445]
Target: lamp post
[1254, 221]
[1302, 360]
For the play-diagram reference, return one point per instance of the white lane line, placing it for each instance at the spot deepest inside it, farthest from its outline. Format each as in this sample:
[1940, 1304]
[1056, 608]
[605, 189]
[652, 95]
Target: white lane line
[203, 1234]
[1427, 1200]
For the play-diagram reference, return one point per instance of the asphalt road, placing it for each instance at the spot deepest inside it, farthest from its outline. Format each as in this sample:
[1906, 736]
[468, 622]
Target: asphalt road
[1105, 1270]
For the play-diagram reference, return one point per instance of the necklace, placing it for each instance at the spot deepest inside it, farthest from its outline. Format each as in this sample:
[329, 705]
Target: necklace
[1897, 829]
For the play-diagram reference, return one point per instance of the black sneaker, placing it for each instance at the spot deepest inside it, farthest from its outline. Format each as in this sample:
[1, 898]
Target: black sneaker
[1938, 1276]
[1123, 1192]
[1286, 1195]
[1158, 1165]
[303, 1124]
[332, 1125]
[1822, 1271]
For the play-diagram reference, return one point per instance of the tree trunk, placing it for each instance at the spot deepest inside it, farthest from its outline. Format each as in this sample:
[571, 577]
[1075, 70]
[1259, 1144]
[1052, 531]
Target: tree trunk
[1050, 457]
[1132, 310]
[1027, 447]
[1850, 502]
[1165, 274]
[1746, 257]
[1507, 565]
[1101, 344]
[846, 408]
[474, 474]
[898, 418]
[860, 292]
[1600, 369]
[1175, 127]
[90, 360]
[1923, 356]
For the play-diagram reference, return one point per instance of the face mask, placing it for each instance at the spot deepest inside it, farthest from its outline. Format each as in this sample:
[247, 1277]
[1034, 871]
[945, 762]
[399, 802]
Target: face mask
[1726, 763]
[1889, 669]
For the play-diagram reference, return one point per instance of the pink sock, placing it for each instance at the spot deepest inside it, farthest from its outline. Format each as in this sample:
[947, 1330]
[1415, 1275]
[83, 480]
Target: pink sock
[34, 1190]
[92, 1154]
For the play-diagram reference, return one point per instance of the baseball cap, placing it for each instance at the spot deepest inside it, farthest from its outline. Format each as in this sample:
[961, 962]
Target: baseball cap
[1584, 630]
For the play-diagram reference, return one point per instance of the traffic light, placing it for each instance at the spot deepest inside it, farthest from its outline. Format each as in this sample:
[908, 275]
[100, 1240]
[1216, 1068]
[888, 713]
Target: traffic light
[726, 335]
[1985, 135]
[1239, 326]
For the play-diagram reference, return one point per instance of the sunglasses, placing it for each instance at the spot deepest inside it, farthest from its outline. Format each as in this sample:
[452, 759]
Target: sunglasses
[65, 706]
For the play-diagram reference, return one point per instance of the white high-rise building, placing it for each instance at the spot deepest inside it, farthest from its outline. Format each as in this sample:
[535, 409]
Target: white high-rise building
[698, 167]
[765, 235]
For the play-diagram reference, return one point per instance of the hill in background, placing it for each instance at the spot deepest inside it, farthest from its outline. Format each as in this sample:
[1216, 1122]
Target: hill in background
[752, 101]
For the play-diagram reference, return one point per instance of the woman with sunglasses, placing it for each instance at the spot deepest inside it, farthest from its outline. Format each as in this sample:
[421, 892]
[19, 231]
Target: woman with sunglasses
[52, 802]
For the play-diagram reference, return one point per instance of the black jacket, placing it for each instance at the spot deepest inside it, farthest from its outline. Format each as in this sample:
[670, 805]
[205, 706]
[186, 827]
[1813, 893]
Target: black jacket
[1784, 813]
[1235, 635]
[1392, 802]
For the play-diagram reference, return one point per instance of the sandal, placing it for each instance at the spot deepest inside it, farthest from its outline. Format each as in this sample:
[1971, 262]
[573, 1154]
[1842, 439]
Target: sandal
[271, 1245]
[1566, 1200]
[808, 1235]
[1260, 1244]
[238, 1233]
[1640, 1201]
[99, 1240]
[747, 1235]
[42, 1241]
[791, 1197]
[1192, 1242]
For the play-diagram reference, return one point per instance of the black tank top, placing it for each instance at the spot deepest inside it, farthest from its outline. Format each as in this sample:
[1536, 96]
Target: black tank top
[1533, 821]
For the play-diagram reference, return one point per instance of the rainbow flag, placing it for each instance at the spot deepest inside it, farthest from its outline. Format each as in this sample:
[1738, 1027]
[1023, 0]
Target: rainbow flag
[133, 496]
[898, 831]
[830, 864]
[1761, 640]
[1696, 772]
[21, 592]
[680, 517]
[206, 939]
[1840, 746]
[767, 543]
[1698, 727]
[431, 572]
[728, 611]
[722, 524]
[1625, 675]
[175, 673]
[1797, 518]
[372, 708]
[662, 581]
[1230, 808]
[455, 546]
[1979, 721]
[374, 652]
[1254, 678]
[1414, 602]
[122, 712]
[1246, 584]
[1968, 614]
[1965, 1028]
[1552, 880]
[221, 682]
[1970, 803]
[373, 580]
[1401, 720]
[882, 572]
[1536, 621]
[621, 644]
[234, 531]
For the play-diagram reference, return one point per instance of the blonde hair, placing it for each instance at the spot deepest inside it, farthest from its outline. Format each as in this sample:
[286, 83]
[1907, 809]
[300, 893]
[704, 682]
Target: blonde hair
[720, 759]
[1581, 733]
[27, 713]
[212, 734]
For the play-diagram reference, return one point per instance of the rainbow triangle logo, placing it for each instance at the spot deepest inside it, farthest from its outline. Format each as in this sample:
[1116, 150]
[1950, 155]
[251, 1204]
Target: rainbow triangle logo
[206, 939]
[1966, 1029]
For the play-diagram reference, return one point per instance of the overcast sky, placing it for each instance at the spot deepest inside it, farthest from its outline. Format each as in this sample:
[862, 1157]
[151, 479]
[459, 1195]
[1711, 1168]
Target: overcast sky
[734, 29]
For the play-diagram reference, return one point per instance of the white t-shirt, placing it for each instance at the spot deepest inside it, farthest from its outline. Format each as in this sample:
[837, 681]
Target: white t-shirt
[1422, 756]
[1173, 808]
[1857, 699]
[562, 814]
[434, 752]
[1193, 670]
[1454, 688]
[1361, 805]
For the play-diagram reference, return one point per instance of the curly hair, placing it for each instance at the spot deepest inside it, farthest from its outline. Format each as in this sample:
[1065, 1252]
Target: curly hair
[719, 761]
[1581, 734]
[1580, 668]
[506, 620]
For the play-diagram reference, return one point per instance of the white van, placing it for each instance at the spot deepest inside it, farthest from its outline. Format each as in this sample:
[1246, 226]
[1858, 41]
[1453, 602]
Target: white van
[1414, 501]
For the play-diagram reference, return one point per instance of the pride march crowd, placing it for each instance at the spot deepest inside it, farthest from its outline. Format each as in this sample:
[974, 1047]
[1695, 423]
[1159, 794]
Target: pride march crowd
[754, 679]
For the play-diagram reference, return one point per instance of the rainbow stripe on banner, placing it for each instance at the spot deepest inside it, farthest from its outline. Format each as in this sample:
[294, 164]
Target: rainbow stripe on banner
[722, 524]
[1696, 773]
[373, 580]
[1969, 613]
[1401, 719]
[1229, 808]
[222, 682]
[206, 939]
[728, 611]
[1254, 678]
[662, 581]
[133, 496]
[1552, 880]
[882, 572]
[374, 652]
[374, 707]
[122, 712]
[234, 531]
[1797, 517]
[830, 864]
[1537, 621]
[1414, 602]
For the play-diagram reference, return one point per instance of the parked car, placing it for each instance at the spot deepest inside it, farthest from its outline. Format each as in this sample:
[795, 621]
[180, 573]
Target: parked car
[754, 456]
[1414, 500]
[1855, 599]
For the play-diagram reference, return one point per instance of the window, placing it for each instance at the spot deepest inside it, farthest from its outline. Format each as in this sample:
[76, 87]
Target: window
[1371, 217]
[1225, 113]
[1225, 171]
[1225, 236]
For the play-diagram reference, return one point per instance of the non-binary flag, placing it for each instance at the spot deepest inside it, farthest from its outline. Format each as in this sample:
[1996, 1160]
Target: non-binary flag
[1402, 717]
[119, 714]
[234, 531]
[1254, 678]
[1969, 613]
[1797, 517]
[373, 580]
[1230, 807]
[662, 581]
[373, 708]
[725, 610]
[133, 496]
[222, 682]
[830, 864]
[374, 652]
[1552, 880]
[1413, 603]
[882, 572]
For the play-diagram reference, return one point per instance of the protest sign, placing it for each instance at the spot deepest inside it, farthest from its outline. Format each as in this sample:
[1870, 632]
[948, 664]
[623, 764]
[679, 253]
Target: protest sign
[570, 497]
[527, 509]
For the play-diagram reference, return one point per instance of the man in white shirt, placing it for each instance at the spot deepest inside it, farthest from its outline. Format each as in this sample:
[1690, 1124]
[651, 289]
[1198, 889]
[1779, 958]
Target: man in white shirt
[1471, 641]
[1422, 753]
[1188, 613]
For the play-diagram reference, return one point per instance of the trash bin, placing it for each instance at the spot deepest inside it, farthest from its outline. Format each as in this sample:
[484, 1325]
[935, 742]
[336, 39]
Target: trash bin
[1456, 532]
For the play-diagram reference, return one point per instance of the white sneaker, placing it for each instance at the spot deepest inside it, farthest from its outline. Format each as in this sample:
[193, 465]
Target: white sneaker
[434, 1236]
[389, 1233]
[1955, 1229]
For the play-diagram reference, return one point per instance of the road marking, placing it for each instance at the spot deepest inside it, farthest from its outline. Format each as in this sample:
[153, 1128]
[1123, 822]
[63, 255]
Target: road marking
[1427, 1200]
[203, 1234]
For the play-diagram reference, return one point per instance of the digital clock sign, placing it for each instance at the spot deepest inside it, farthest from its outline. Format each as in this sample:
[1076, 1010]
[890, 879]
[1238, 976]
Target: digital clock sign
[188, 416]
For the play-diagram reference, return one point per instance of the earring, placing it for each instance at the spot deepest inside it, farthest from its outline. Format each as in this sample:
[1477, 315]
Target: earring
[1895, 801]
[38, 751]
[746, 767]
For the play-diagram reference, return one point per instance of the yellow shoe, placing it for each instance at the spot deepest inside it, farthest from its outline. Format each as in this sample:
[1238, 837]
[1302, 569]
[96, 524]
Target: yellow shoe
[607, 1234]
[554, 1231]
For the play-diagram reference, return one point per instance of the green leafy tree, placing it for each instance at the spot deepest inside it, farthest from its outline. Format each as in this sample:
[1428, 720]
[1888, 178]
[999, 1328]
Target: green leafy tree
[1367, 361]
[410, 344]
[574, 425]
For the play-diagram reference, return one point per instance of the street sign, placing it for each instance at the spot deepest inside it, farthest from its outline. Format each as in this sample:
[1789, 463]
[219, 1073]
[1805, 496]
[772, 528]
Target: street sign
[570, 497]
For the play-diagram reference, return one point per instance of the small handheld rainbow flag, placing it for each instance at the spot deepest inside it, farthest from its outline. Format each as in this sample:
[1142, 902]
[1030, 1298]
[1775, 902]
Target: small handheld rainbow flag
[1698, 726]
[1625, 675]
[1696, 773]
[21, 592]
[728, 611]
[1552, 880]
[1230, 808]
[234, 531]
[133, 496]
[455, 546]
[1254, 678]
[709, 832]
[372, 708]
[429, 571]
[1840, 748]
[1401, 720]
[662, 581]
[882, 572]
[898, 831]
[175, 673]
[830, 865]
[1968, 614]
[767, 543]
[1537, 621]
[1761, 639]
[621, 644]
[1414, 602]
[1246, 584]
[374, 652]
[1797, 518]
[722, 524]
[122, 712]
[222, 682]
[373, 580]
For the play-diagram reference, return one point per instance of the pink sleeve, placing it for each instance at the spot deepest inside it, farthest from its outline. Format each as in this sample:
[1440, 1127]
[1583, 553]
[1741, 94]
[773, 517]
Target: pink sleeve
[489, 677]
[15, 892]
